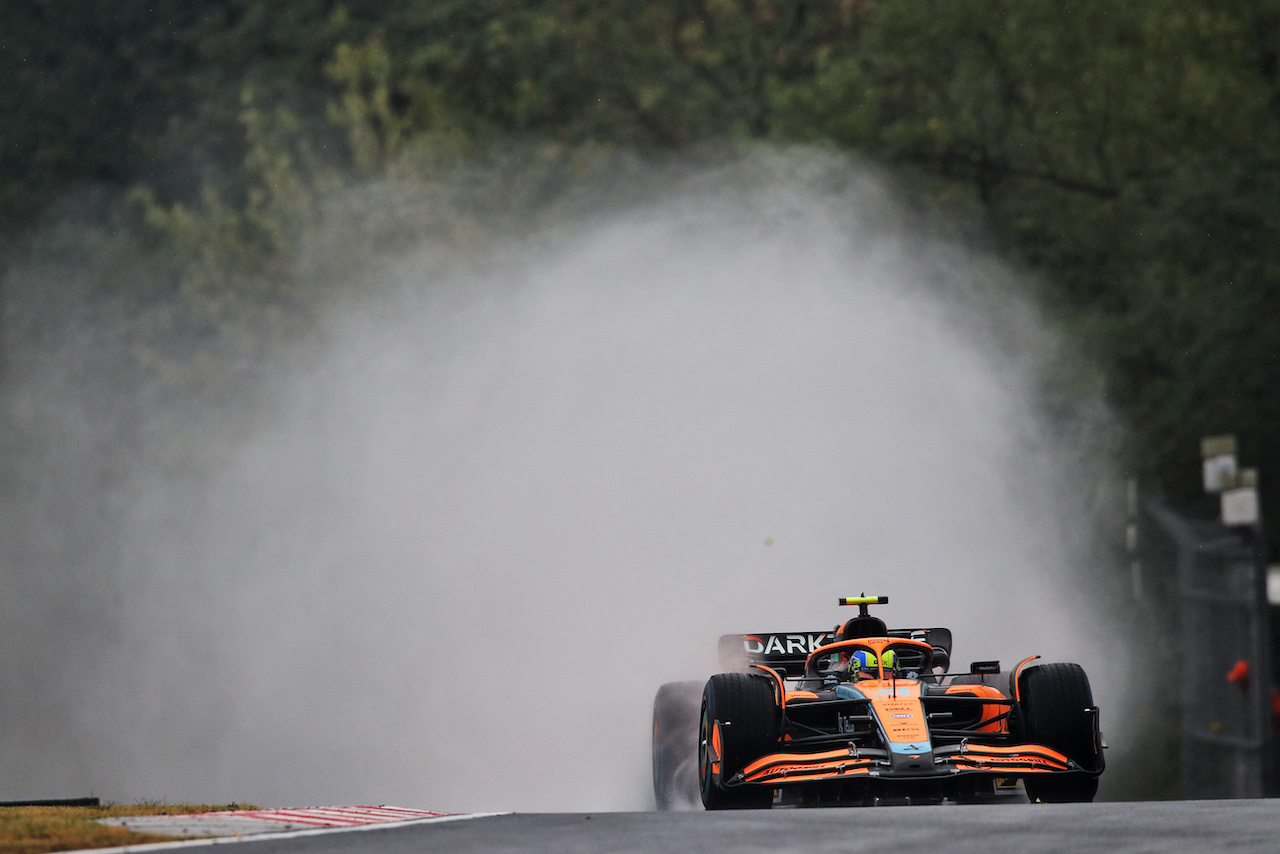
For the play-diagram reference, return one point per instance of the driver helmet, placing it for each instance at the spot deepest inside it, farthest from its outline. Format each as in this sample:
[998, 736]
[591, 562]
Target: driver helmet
[863, 664]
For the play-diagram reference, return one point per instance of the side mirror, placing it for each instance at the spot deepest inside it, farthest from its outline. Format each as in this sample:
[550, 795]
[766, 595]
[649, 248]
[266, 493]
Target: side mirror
[941, 658]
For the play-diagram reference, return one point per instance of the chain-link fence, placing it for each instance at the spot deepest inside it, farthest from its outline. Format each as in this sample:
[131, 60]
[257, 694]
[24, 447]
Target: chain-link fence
[1224, 666]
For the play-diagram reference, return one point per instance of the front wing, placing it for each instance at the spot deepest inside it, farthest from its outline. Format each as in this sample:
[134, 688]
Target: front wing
[943, 762]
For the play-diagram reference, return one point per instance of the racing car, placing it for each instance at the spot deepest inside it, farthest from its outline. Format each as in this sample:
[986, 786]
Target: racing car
[865, 715]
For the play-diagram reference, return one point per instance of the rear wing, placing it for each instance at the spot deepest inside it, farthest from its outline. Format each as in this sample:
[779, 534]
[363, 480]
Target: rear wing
[786, 652]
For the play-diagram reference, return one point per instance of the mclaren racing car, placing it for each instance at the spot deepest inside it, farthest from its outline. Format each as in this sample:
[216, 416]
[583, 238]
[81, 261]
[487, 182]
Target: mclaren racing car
[865, 715]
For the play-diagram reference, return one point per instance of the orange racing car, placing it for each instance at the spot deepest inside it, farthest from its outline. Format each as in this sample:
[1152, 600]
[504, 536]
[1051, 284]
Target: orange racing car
[868, 715]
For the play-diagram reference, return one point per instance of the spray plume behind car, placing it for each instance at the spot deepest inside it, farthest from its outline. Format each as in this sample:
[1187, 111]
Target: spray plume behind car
[445, 552]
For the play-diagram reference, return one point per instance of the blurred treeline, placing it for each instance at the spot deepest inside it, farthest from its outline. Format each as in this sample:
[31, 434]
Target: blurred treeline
[1126, 156]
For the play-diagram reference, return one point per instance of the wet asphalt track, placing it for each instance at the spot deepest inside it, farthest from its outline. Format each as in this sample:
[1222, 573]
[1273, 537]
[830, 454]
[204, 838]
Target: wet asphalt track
[1114, 828]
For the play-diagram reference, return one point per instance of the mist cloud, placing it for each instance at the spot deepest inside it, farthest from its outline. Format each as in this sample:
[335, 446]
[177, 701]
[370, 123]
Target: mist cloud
[446, 551]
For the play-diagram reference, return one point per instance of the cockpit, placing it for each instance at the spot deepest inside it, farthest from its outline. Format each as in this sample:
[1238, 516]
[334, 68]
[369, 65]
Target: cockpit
[872, 657]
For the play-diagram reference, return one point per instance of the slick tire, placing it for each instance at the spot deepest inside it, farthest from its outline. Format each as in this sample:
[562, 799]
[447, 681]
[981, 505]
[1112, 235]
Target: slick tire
[1054, 699]
[739, 713]
[675, 745]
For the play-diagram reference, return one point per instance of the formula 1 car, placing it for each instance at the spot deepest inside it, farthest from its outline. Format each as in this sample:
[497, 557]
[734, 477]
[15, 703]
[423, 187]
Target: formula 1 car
[864, 715]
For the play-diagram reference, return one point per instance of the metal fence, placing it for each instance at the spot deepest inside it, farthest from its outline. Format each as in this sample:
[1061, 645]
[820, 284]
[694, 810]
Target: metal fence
[1224, 665]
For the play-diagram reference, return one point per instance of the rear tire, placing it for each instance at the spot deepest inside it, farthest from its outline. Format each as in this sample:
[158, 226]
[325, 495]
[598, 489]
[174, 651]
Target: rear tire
[743, 707]
[675, 744]
[1054, 703]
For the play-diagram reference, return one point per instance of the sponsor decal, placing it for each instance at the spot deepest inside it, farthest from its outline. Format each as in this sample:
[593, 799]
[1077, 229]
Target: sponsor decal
[789, 645]
[824, 768]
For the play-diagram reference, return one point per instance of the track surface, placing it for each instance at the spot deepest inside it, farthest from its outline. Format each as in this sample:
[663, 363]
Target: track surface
[1113, 828]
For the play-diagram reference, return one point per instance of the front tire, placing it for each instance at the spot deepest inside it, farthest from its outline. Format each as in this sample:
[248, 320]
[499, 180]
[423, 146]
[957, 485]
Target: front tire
[739, 723]
[1055, 704]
